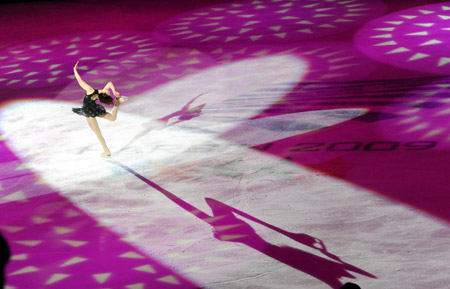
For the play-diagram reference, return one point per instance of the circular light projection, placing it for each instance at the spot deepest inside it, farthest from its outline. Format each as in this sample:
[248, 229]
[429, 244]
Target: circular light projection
[427, 116]
[416, 38]
[50, 61]
[266, 21]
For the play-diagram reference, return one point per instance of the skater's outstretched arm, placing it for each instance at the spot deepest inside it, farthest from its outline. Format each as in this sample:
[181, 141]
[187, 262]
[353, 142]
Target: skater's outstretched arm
[81, 82]
[109, 86]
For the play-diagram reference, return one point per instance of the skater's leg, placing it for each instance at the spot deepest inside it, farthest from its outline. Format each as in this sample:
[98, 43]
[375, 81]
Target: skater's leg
[92, 121]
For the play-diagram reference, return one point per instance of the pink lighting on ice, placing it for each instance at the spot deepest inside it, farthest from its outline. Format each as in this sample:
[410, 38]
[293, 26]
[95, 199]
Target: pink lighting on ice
[265, 144]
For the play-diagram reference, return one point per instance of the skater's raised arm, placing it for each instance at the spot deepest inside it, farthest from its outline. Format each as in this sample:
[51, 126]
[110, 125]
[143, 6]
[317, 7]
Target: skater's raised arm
[109, 86]
[81, 82]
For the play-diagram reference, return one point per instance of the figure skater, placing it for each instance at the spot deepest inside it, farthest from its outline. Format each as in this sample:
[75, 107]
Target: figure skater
[91, 109]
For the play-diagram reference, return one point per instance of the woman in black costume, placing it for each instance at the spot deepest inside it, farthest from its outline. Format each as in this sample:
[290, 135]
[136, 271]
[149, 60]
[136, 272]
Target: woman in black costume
[91, 109]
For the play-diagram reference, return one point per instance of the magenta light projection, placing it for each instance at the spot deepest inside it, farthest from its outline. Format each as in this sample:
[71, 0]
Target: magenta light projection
[49, 62]
[165, 65]
[55, 245]
[327, 61]
[405, 118]
[415, 38]
[260, 147]
[267, 21]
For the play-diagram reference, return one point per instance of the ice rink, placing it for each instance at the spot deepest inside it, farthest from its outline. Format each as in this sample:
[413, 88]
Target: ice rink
[266, 144]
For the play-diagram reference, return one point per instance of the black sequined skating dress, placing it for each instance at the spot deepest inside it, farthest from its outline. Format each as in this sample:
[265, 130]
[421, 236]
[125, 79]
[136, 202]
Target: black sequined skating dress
[90, 108]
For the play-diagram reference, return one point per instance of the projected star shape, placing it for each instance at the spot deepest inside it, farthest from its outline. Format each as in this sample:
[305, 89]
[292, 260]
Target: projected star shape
[416, 38]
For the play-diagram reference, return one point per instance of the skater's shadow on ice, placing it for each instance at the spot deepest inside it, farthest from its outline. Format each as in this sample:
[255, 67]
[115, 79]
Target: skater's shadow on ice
[227, 227]
[186, 113]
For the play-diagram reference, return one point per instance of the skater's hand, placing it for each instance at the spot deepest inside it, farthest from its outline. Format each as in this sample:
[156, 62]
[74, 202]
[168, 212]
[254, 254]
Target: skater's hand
[117, 94]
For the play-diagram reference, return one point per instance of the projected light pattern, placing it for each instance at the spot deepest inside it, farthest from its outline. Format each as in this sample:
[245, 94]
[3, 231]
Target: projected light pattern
[170, 148]
[329, 61]
[415, 38]
[93, 185]
[218, 113]
[172, 63]
[267, 21]
[168, 188]
[49, 62]
[246, 149]
[426, 114]
[405, 125]
[70, 242]
[421, 108]
[18, 173]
